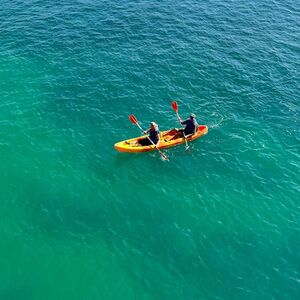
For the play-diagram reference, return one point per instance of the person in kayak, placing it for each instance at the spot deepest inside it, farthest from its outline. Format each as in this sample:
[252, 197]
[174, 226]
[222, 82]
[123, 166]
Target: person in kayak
[154, 136]
[191, 127]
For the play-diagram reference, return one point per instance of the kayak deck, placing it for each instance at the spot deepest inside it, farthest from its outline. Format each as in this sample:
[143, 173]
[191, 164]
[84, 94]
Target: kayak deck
[166, 141]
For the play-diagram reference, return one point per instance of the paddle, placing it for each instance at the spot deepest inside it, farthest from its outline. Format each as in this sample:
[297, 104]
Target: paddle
[175, 108]
[134, 121]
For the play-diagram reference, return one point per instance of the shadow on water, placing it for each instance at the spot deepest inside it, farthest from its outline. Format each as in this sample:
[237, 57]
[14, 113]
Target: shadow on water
[143, 233]
[166, 258]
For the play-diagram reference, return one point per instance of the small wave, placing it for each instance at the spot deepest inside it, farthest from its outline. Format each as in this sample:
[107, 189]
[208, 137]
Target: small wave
[218, 122]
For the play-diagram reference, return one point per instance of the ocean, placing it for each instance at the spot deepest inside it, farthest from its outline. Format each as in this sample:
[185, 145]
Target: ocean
[79, 220]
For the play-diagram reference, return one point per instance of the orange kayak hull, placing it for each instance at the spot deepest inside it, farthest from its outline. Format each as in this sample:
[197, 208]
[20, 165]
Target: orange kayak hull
[166, 141]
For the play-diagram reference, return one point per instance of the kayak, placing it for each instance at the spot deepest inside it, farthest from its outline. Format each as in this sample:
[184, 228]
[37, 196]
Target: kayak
[166, 141]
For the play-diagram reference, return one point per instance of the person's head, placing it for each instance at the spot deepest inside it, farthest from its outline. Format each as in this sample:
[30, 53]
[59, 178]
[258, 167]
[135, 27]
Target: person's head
[192, 116]
[153, 125]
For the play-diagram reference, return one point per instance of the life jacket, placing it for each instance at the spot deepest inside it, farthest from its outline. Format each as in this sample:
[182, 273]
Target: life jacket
[153, 135]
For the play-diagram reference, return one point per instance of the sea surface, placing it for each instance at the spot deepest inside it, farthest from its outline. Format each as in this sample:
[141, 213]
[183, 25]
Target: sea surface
[79, 220]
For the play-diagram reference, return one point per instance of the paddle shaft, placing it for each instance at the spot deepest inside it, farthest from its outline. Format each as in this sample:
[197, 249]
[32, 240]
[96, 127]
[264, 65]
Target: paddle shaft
[184, 136]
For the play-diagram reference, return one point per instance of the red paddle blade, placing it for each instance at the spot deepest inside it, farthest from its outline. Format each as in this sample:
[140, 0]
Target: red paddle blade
[175, 106]
[133, 119]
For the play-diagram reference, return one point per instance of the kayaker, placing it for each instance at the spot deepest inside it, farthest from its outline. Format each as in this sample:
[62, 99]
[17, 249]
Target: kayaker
[153, 135]
[191, 127]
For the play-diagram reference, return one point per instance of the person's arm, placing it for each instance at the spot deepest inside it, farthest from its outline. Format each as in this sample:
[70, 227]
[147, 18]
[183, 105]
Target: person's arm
[158, 139]
[183, 122]
[196, 127]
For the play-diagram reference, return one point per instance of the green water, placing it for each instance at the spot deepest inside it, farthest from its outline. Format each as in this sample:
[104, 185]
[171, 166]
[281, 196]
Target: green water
[79, 220]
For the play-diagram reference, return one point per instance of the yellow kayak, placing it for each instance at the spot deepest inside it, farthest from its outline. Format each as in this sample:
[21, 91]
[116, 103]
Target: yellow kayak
[166, 141]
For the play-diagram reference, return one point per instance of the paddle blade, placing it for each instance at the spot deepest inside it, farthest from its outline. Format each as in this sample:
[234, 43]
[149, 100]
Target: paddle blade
[133, 119]
[175, 106]
[163, 156]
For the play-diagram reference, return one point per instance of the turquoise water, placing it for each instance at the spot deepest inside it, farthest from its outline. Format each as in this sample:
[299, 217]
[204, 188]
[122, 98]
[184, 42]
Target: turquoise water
[79, 220]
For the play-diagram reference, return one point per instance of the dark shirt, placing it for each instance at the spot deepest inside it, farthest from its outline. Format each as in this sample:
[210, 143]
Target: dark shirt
[190, 127]
[153, 135]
